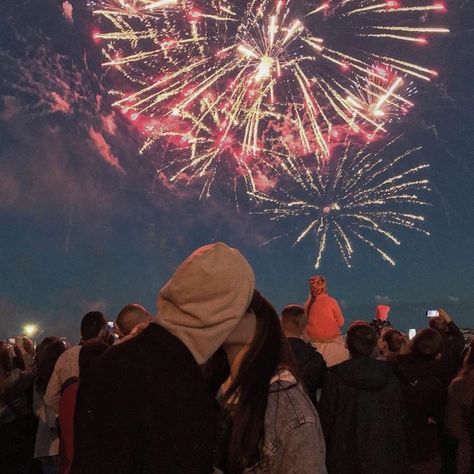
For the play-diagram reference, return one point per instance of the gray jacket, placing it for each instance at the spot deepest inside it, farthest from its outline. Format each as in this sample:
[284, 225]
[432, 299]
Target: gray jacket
[294, 441]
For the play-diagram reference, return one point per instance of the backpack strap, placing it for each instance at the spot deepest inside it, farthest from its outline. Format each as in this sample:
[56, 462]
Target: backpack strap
[70, 381]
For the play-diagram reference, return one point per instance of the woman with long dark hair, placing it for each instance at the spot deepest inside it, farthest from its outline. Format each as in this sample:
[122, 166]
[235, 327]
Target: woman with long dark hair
[459, 417]
[47, 439]
[270, 424]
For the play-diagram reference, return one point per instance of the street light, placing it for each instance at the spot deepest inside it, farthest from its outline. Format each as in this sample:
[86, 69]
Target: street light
[30, 330]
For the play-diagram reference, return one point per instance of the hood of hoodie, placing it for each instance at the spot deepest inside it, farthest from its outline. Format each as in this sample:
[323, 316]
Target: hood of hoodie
[206, 297]
[365, 373]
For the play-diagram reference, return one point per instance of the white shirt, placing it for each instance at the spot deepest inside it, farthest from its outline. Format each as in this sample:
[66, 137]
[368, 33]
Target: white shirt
[67, 366]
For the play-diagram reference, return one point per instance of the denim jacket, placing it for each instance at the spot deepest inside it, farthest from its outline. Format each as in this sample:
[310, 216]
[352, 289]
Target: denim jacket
[294, 441]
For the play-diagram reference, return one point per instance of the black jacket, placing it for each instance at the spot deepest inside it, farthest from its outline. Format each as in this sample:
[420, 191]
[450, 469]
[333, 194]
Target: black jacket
[424, 395]
[361, 416]
[311, 365]
[451, 350]
[144, 407]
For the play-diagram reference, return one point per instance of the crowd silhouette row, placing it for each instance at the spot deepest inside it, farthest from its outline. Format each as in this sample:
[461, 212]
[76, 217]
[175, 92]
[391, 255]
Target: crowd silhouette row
[218, 382]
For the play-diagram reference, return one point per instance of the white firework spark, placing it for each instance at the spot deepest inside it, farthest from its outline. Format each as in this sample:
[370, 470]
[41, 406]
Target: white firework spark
[293, 61]
[361, 196]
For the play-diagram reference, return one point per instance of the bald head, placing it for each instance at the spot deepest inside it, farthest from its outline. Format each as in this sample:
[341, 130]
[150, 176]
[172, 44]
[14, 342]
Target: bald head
[131, 316]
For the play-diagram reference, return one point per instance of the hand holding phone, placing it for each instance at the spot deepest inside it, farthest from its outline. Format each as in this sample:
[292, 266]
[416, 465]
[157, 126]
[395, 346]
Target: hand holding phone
[432, 313]
[444, 315]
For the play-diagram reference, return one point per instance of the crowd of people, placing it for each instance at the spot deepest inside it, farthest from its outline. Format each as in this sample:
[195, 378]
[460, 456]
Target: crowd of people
[218, 382]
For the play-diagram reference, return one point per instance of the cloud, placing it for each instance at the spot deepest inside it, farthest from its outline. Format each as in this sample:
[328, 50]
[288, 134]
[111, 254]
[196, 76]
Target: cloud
[67, 11]
[9, 108]
[104, 149]
[379, 299]
[9, 189]
[96, 305]
[453, 299]
[108, 123]
[59, 104]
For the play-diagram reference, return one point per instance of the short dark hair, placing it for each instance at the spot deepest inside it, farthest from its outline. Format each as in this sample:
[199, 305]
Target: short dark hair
[439, 324]
[294, 316]
[427, 343]
[394, 339]
[293, 311]
[91, 325]
[361, 339]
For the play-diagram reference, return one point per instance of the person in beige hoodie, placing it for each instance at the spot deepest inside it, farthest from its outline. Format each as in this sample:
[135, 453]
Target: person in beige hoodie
[145, 405]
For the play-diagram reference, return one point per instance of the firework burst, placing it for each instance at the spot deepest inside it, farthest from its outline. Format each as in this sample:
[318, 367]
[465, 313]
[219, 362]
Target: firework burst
[358, 197]
[202, 150]
[377, 103]
[308, 64]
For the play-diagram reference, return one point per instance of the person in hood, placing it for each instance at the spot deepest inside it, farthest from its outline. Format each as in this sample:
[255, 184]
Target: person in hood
[424, 393]
[361, 411]
[381, 322]
[325, 320]
[311, 364]
[145, 406]
[269, 424]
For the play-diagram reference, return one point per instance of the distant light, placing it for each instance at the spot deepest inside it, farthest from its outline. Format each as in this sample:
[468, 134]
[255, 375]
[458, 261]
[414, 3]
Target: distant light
[30, 329]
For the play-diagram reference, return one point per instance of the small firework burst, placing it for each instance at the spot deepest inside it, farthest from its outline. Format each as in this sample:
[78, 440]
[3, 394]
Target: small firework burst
[360, 196]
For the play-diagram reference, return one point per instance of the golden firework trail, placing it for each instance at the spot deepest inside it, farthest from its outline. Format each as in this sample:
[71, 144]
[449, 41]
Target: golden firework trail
[206, 150]
[261, 60]
[357, 196]
[377, 102]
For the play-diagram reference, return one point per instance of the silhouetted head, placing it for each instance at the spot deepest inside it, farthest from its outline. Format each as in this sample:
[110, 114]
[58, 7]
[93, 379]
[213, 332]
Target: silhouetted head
[93, 325]
[293, 320]
[361, 339]
[427, 343]
[440, 325]
[131, 316]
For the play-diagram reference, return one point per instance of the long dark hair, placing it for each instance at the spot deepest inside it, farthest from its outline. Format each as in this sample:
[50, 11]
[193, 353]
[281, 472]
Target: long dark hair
[47, 354]
[6, 365]
[268, 350]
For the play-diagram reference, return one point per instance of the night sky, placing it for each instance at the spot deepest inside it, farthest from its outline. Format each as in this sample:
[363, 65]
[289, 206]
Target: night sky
[86, 223]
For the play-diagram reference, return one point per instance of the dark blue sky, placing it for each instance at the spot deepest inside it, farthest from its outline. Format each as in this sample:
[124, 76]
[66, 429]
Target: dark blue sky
[86, 224]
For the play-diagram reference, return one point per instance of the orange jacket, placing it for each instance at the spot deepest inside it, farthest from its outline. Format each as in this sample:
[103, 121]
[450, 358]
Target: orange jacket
[325, 318]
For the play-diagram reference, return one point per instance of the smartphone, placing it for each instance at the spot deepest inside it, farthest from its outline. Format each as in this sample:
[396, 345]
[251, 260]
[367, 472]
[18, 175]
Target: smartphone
[12, 340]
[411, 333]
[111, 324]
[64, 341]
[432, 313]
